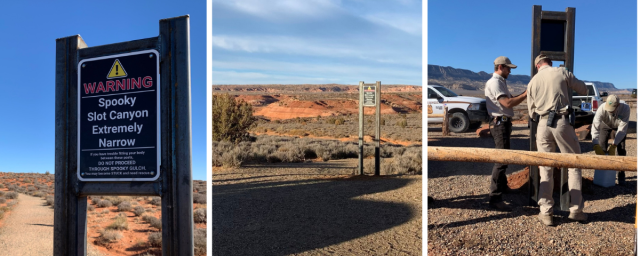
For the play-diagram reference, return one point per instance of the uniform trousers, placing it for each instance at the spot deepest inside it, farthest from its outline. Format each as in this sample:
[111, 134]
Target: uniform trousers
[501, 133]
[562, 135]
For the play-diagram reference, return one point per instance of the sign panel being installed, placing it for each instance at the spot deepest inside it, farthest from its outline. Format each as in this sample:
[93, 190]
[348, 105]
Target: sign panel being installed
[369, 96]
[119, 117]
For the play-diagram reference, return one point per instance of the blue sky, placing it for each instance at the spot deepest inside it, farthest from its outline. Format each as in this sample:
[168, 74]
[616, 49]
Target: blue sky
[471, 34]
[27, 69]
[317, 41]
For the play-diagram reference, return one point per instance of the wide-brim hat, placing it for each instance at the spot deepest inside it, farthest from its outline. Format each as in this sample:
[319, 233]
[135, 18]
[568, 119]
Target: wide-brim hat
[502, 60]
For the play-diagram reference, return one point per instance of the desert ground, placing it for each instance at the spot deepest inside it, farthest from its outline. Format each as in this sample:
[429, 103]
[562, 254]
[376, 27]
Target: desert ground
[292, 189]
[116, 225]
[461, 222]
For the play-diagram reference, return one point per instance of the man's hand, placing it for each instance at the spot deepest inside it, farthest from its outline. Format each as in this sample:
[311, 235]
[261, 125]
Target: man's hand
[612, 150]
[598, 149]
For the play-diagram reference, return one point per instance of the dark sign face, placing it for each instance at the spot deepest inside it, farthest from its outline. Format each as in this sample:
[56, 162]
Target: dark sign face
[119, 117]
[552, 35]
[369, 96]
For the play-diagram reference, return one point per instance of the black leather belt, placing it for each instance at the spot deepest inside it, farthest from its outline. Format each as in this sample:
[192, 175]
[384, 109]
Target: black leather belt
[502, 118]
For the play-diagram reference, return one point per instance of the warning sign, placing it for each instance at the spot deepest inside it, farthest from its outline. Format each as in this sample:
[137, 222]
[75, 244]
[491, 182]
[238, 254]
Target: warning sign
[369, 96]
[119, 117]
[116, 70]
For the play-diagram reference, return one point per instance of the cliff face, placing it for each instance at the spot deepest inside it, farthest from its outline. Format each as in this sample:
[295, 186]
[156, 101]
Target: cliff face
[458, 79]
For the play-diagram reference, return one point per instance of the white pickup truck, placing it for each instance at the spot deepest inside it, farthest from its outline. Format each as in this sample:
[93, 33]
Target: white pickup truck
[585, 107]
[463, 111]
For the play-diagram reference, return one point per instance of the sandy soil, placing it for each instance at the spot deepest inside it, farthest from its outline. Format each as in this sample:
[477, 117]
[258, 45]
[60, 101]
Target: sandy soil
[28, 230]
[295, 209]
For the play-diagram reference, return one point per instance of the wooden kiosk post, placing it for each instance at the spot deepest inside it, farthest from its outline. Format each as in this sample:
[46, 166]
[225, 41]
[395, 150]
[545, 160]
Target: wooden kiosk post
[553, 34]
[369, 97]
[165, 72]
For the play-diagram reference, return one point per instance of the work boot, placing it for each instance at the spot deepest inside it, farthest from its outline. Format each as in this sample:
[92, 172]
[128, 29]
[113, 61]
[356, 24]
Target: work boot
[500, 206]
[546, 219]
[578, 216]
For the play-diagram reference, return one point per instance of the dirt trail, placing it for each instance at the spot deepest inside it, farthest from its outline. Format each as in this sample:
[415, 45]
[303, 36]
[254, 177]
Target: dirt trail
[29, 228]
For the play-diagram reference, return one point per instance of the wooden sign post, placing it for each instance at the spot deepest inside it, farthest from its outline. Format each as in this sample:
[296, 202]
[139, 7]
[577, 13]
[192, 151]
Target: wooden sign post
[125, 149]
[553, 34]
[369, 97]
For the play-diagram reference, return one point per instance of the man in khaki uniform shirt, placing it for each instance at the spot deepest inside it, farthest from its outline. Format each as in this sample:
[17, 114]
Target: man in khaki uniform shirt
[500, 105]
[612, 115]
[548, 95]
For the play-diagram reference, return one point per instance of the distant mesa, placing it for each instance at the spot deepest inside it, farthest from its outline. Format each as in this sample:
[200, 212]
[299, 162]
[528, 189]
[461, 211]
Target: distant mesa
[276, 102]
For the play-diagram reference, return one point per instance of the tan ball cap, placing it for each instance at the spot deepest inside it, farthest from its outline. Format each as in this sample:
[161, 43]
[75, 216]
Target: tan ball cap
[504, 61]
[612, 103]
[539, 58]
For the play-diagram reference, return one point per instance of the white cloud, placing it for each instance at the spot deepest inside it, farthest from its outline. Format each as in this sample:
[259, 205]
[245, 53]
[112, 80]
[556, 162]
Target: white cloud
[234, 77]
[411, 25]
[282, 9]
[267, 71]
[315, 47]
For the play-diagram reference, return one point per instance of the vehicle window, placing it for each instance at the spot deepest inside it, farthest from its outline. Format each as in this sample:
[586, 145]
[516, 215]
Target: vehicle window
[590, 93]
[446, 92]
[431, 94]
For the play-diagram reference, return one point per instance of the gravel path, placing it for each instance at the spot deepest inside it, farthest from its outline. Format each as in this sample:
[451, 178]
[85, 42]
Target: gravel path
[461, 223]
[29, 228]
[290, 209]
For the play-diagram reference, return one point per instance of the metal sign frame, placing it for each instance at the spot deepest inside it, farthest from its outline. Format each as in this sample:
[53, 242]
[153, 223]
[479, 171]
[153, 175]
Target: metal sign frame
[158, 141]
[174, 185]
[361, 127]
[569, 18]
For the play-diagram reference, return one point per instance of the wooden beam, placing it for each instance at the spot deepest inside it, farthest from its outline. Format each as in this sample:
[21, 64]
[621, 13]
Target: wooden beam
[560, 56]
[551, 15]
[520, 157]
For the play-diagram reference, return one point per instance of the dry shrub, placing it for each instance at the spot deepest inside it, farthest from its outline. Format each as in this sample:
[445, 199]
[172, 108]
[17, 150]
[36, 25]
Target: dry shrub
[138, 210]
[153, 221]
[200, 241]
[120, 223]
[91, 208]
[104, 203]
[11, 195]
[2, 193]
[115, 200]
[200, 215]
[199, 198]
[108, 236]
[155, 239]
[2, 200]
[95, 199]
[156, 200]
[124, 206]
[50, 200]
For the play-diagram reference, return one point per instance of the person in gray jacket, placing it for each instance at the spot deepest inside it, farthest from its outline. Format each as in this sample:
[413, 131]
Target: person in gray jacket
[612, 116]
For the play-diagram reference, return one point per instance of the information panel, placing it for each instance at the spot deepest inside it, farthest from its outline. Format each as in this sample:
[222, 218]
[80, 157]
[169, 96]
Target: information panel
[119, 117]
[369, 96]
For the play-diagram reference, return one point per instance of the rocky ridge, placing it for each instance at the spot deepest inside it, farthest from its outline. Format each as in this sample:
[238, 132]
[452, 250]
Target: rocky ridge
[462, 79]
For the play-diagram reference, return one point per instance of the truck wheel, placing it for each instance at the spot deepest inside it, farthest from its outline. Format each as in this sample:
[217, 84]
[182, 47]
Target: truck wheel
[475, 126]
[458, 122]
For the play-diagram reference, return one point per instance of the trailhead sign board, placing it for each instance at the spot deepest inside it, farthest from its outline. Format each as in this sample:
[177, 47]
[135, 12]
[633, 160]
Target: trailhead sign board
[119, 117]
[369, 96]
